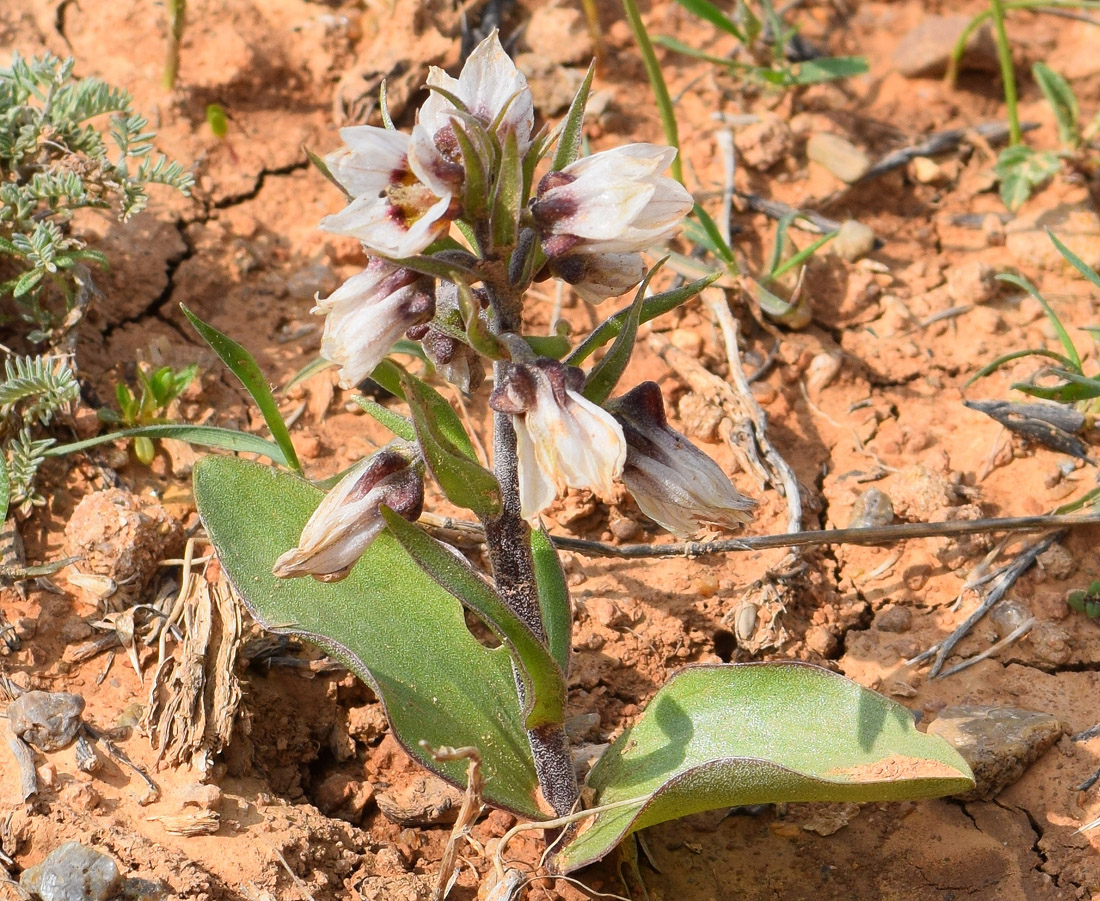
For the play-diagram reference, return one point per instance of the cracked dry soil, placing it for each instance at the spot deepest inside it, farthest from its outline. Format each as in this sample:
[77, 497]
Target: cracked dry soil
[297, 814]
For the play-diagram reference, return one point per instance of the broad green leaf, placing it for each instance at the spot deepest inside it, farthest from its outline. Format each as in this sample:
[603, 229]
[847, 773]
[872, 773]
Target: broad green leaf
[198, 435]
[463, 479]
[1062, 101]
[387, 621]
[544, 684]
[605, 375]
[243, 365]
[557, 613]
[572, 131]
[761, 733]
[1021, 169]
[395, 422]
[553, 346]
[653, 307]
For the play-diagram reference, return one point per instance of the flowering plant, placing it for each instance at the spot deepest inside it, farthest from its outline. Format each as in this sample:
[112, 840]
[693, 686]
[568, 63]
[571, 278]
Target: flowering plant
[459, 219]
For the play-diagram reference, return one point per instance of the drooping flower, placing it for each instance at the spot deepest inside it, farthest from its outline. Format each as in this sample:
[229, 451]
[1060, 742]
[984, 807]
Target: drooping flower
[392, 211]
[368, 314]
[493, 91]
[562, 439]
[599, 213]
[674, 483]
[348, 519]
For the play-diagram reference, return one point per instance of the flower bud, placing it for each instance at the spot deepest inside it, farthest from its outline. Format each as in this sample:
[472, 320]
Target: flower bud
[562, 439]
[348, 519]
[674, 482]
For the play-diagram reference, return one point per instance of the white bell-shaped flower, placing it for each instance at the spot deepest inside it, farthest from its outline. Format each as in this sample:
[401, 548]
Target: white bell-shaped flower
[348, 519]
[368, 314]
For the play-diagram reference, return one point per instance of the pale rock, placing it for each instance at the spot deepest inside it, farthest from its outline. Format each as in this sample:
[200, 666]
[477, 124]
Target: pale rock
[925, 50]
[838, 155]
[1074, 222]
[72, 872]
[999, 743]
[853, 240]
[872, 509]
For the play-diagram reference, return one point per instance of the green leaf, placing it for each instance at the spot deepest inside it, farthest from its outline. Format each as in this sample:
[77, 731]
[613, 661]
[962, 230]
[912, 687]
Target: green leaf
[1062, 101]
[543, 680]
[243, 365]
[395, 422]
[1060, 330]
[27, 282]
[388, 622]
[653, 307]
[1016, 355]
[198, 435]
[507, 194]
[826, 68]
[464, 481]
[1080, 265]
[1022, 169]
[475, 186]
[725, 735]
[572, 131]
[605, 375]
[711, 13]
[711, 237]
[557, 612]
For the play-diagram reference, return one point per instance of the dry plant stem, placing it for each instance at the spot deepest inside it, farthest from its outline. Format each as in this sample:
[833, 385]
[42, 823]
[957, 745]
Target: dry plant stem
[1019, 632]
[780, 472]
[467, 815]
[1019, 566]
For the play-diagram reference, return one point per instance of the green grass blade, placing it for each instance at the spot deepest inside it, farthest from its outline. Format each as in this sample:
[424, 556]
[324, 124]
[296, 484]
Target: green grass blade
[1060, 330]
[198, 435]
[243, 365]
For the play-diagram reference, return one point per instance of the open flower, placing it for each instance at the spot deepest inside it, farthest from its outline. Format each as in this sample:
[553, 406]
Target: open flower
[674, 482]
[392, 211]
[562, 439]
[368, 314]
[493, 91]
[348, 519]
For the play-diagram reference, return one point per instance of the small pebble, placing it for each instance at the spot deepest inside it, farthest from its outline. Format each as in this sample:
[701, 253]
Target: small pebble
[47, 720]
[1008, 616]
[926, 171]
[822, 372]
[894, 619]
[623, 527]
[873, 508]
[999, 743]
[853, 240]
[72, 872]
[838, 155]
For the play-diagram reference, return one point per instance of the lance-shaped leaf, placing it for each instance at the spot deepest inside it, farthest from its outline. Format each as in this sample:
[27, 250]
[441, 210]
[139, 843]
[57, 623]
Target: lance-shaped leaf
[389, 375]
[605, 375]
[463, 479]
[557, 613]
[388, 622]
[759, 733]
[508, 194]
[395, 422]
[243, 365]
[542, 678]
[197, 435]
[572, 129]
[652, 307]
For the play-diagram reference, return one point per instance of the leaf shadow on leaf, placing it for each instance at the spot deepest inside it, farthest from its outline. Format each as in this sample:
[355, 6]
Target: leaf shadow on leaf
[872, 719]
[675, 723]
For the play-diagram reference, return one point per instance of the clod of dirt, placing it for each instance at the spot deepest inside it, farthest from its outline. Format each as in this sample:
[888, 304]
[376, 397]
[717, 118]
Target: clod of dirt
[853, 241]
[122, 536]
[974, 282]
[1051, 643]
[894, 619]
[48, 720]
[1076, 224]
[873, 508]
[763, 144]
[425, 800]
[924, 51]
[1057, 562]
[999, 743]
[73, 872]
[343, 796]
[823, 818]
[838, 155]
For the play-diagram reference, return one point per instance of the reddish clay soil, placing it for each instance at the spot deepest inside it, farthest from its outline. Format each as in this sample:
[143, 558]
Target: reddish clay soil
[869, 394]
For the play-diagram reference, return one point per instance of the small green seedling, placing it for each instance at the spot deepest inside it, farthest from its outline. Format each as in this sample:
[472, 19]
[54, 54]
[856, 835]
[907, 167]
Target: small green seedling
[1086, 601]
[149, 405]
[217, 120]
